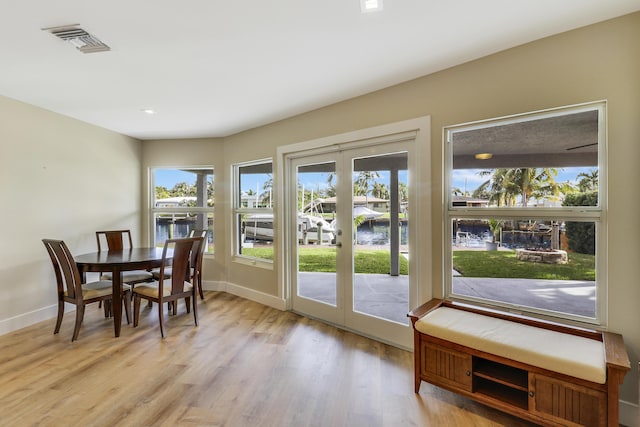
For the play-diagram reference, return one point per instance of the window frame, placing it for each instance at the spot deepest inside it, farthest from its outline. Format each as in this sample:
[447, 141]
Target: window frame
[180, 210]
[597, 214]
[238, 210]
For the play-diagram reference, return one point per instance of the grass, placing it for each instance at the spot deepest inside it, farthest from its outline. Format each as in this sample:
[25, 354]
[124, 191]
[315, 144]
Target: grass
[499, 264]
[262, 253]
[503, 264]
[323, 259]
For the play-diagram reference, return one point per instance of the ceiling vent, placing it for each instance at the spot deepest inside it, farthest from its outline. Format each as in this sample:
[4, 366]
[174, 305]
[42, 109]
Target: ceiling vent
[82, 40]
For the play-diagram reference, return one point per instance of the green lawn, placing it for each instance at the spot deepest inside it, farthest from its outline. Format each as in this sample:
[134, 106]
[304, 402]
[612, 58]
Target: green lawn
[365, 261]
[323, 259]
[504, 264]
[501, 264]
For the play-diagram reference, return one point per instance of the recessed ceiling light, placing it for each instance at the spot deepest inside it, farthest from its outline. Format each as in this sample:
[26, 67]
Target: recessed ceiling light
[483, 156]
[148, 111]
[370, 5]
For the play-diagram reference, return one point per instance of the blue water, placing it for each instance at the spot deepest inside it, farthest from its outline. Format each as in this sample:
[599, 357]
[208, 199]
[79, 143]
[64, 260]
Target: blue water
[368, 233]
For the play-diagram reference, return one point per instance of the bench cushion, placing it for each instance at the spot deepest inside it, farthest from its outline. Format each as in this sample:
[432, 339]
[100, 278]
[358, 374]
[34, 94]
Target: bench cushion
[555, 351]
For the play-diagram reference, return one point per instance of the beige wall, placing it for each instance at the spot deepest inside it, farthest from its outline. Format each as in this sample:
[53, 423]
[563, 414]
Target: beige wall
[593, 63]
[59, 178]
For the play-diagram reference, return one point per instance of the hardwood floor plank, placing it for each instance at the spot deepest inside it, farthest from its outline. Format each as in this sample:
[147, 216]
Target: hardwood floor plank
[245, 365]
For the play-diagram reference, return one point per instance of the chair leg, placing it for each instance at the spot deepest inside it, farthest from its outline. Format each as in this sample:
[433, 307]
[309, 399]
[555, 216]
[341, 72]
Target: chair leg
[136, 310]
[79, 317]
[172, 308]
[187, 301]
[195, 308]
[200, 285]
[126, 300]
[107, 309]
[160, 318]
[60, 314]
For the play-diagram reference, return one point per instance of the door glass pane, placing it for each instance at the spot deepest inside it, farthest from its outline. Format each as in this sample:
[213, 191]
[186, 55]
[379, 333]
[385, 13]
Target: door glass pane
[316, 212]
[380, 237]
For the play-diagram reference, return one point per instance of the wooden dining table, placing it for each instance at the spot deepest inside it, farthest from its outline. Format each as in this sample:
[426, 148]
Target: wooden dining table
[116, 262]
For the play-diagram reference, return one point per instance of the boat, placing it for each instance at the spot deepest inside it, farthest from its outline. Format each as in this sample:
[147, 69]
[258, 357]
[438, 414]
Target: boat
[259, 227]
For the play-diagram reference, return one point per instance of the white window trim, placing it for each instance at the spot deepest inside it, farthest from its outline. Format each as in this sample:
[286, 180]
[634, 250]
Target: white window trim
[597, 214]
[420, 238]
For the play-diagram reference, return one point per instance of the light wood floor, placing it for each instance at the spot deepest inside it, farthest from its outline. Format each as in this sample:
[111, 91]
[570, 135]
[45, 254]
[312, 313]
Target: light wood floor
[245, 365]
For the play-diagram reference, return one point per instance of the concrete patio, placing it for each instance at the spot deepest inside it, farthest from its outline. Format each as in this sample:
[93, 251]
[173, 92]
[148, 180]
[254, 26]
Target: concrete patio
[386, 296]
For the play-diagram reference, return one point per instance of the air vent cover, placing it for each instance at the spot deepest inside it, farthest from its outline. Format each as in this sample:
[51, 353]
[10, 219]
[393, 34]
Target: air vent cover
[82, 40]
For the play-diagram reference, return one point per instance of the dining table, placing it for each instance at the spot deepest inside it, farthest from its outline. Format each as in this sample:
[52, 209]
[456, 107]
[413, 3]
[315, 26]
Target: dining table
[116, 262]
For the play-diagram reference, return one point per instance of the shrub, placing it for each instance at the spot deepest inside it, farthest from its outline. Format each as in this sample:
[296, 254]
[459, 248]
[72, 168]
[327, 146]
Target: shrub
[581, 235]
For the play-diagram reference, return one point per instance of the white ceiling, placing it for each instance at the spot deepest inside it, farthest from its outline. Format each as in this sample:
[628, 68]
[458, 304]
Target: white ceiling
[216, 67]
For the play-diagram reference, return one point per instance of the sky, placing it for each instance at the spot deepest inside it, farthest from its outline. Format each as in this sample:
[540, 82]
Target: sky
[462, 178]
[312, 181]
[170, 177]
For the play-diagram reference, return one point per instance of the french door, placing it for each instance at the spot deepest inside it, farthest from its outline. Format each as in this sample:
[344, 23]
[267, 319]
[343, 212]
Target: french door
[348, 235]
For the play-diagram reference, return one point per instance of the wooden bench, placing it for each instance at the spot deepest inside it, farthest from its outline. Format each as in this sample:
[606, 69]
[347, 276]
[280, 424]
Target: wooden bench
[544, 372]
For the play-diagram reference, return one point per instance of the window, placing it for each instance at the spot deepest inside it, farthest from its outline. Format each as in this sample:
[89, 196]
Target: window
[253, 210]
[182, 201]
[525, 213]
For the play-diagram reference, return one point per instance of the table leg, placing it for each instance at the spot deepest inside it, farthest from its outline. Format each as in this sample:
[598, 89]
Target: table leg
[116, 305]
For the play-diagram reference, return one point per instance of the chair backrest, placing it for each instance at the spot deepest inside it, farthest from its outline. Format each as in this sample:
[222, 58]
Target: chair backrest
[67, 274]
[196, 258]
[198, 233]
[177, 254]
[115, 239]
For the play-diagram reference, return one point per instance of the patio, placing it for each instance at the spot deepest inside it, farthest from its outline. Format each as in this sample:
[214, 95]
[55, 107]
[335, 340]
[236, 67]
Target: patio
[386, 296]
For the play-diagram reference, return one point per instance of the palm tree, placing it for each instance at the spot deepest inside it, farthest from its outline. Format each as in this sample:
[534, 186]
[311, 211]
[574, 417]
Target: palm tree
[182, 189]
[266, 198]
[331, 187]
[362, 182]
[505, 185]
[381, 191]
[589, 181]
[499, 188]
[538, 183]
[403, 191]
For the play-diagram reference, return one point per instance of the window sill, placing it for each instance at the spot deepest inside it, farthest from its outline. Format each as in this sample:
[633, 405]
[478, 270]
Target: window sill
[253, 262]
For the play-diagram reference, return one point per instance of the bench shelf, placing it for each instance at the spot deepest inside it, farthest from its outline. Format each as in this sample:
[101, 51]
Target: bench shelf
[513, 378]
[529, 392]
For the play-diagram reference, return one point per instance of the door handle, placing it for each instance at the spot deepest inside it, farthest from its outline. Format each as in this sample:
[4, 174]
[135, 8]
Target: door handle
[338, 244]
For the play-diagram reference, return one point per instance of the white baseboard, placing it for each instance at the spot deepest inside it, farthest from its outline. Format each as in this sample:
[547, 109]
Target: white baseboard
[629, 414]
[250, 294]
[27, 319]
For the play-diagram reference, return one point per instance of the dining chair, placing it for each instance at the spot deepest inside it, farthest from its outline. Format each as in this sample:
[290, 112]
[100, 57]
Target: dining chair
[115, 241]
[196, 263]
[72, 290]
[176, 253]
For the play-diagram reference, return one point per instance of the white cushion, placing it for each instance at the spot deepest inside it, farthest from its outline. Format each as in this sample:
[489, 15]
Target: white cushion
[151, 289]
[555, 351]
[167, 272]
[130, 276]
